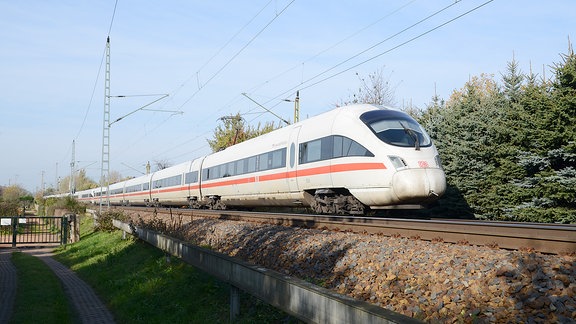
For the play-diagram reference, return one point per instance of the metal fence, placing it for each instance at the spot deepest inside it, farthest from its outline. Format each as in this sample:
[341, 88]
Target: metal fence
[33, 230]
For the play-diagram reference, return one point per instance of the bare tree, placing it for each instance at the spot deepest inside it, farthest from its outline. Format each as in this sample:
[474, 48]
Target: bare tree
[375, 89]
[115, 176]
[161, 164]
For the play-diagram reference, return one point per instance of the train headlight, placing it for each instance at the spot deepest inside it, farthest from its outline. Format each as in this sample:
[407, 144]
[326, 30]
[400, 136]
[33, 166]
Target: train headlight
[438, 161]
[397, 161]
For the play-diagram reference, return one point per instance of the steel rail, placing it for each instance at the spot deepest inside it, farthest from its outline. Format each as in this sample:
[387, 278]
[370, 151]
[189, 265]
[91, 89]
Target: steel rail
[545, 238]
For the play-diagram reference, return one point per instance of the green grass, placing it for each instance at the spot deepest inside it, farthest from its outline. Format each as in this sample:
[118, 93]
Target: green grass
[140, 285]
[40, 295]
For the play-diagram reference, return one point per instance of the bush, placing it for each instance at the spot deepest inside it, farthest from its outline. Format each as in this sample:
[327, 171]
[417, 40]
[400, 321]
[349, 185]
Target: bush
[8, 208]
[49, 205]
[104, 220]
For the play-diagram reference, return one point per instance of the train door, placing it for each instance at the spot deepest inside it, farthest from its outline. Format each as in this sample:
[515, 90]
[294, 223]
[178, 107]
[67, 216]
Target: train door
[292, 165]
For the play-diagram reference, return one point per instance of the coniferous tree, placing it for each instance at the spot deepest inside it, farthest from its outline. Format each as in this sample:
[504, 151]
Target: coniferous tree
[549, 159]
[513, 81]
[510, 153]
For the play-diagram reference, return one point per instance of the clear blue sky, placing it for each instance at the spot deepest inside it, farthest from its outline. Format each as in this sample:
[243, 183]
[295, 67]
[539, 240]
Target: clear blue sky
[205, 54]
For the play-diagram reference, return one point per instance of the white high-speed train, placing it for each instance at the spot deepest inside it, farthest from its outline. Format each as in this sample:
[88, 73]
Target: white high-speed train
[345, 161]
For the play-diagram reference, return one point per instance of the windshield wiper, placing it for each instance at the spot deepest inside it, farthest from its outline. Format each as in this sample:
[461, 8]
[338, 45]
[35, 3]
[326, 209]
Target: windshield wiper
[413, 135]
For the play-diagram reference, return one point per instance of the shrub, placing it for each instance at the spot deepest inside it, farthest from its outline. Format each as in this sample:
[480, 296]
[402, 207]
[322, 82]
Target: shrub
[104, 220]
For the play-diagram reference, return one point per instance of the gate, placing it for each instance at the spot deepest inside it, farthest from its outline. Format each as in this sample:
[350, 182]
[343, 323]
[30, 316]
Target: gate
[33, 230]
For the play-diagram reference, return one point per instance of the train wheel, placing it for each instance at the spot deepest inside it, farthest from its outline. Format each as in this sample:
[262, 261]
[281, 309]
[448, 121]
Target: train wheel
[215, 203]
[328, 202]
[193, 203]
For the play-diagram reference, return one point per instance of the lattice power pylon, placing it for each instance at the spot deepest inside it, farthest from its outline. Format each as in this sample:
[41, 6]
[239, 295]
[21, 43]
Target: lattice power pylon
[105, 167]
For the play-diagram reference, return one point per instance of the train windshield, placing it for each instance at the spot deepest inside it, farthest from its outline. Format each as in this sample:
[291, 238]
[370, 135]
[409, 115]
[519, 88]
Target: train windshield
[396, 128]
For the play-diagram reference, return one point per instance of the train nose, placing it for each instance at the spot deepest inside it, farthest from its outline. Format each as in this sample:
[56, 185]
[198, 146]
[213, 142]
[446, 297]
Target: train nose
[419, 185]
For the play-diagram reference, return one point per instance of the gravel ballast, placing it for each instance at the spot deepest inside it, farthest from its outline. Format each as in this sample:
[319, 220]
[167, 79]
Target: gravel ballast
[432, 281]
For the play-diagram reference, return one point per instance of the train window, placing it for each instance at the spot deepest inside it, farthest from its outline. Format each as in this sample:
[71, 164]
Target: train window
[266, 161]
[327, 148]
[191, 177]
[278, 158]
[396, 128]
[338, 146]
[134, 188]
[232, 168]
[116, 191]
[175, 180]
[168, 182]
[331, 147]
[310, 151]
[241, 166]
[224, 171]
[262, 163]
[251, 164]
[353, 148]
[214, 173]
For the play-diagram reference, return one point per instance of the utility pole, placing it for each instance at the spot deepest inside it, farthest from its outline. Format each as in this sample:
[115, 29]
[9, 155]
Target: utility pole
[297, 107]
[105, 166]
[73, 169]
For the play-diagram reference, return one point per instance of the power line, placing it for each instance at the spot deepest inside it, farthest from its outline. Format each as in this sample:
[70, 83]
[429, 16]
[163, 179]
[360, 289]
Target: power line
[307, 60]
[301, 86]
[309, 82]
[113, 15]
[237, 53]
[336, 44]
[97, 75]
[200, 87]
[233, 37]
[97, 78]
[219, 51]
[91, 96]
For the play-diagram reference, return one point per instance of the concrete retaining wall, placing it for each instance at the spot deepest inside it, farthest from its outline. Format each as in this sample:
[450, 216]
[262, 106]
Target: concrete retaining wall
[299, 298]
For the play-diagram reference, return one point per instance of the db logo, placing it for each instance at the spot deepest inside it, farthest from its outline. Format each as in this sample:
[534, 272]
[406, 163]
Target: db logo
[423, 164]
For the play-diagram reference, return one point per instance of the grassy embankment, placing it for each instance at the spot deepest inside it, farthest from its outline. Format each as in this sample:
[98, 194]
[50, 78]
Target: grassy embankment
[140, 284]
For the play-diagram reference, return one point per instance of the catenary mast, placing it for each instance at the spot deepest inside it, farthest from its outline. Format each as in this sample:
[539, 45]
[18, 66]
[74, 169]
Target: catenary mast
[105, 166]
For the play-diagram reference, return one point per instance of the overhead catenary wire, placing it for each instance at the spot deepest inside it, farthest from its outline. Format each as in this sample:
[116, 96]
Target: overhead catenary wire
[335, 44]
[197, 73]
[89, 106]
[303, 85]
[200, 87]
[236, 54]
[315, 79]
[229, 61]
[309, 82]
[97, 74]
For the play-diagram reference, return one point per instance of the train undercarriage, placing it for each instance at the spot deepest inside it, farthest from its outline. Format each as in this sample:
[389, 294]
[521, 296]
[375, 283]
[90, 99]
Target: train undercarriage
[334, 201]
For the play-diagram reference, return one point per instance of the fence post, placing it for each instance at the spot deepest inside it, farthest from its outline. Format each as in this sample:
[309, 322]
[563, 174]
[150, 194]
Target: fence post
[74, 225]
[64, 239]
[14, 229]
[234, 303]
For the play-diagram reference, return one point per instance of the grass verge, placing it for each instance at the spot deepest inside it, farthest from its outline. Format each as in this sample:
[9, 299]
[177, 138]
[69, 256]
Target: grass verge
[140, 284]
[40, 295]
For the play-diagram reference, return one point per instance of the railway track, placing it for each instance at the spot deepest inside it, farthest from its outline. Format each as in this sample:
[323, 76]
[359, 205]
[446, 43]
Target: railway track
[545, 238]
